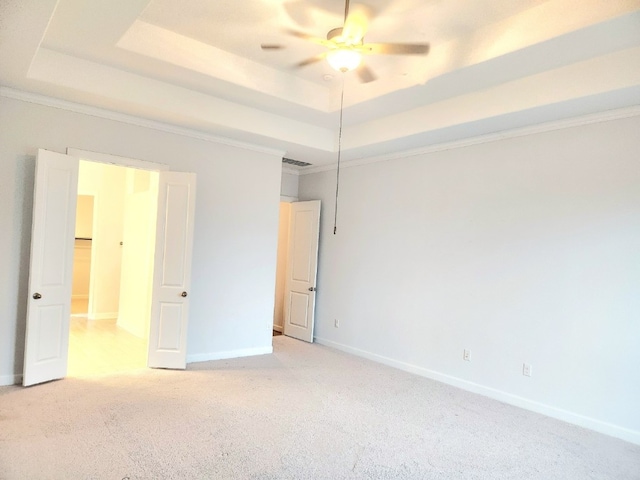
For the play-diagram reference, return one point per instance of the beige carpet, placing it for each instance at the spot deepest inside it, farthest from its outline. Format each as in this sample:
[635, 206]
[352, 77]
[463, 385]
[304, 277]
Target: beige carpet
[305, 412]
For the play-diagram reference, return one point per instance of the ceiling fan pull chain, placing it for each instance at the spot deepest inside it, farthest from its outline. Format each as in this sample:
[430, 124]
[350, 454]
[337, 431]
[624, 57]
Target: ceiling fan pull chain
[335, 213]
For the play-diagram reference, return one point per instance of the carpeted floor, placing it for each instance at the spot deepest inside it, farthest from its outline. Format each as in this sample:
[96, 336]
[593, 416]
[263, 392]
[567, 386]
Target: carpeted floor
[305, 412]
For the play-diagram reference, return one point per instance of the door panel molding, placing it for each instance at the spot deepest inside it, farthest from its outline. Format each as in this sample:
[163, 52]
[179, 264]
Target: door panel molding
[172, 272]
[50, 267]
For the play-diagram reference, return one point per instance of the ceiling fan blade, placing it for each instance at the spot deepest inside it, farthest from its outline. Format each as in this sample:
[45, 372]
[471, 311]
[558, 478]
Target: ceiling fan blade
[306, 36]
[356, 23]
[310, 60]
[271, 46]
[365, 74]
[395, 48]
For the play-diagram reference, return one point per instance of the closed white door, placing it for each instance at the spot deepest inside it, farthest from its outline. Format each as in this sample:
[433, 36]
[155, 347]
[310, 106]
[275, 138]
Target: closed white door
[51, 267]
[300, 288]
[172, 271]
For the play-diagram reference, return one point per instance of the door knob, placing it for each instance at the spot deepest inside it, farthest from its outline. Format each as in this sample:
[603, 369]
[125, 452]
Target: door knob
[36, 296]
[312, 289]
[183, 294]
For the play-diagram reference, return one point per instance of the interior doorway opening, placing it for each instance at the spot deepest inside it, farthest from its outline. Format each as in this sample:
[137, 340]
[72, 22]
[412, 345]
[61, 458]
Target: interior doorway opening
[281, 268]
[113, 269]
[296, 269]
[55, 192]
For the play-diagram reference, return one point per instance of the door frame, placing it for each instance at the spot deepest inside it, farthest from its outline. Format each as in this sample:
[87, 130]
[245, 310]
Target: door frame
[280, 328]
[118, 161]
[70, 162]
[90, 156]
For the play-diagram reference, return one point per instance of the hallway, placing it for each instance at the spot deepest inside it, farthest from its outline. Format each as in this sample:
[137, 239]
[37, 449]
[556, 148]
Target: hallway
[99, 347]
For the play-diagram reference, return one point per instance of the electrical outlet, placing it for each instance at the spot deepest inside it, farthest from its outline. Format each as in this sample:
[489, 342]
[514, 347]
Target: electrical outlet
[466, 355]
[526, 369]
[336, 322]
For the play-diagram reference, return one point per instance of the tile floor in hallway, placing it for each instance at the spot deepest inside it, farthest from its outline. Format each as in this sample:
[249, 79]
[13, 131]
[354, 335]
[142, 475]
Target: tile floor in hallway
[98, 347]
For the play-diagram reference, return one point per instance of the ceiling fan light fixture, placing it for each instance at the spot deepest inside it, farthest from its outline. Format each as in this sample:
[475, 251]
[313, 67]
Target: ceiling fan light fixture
[344, 59]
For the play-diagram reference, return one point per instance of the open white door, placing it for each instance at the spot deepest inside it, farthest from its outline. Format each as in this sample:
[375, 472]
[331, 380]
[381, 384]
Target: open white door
[172, 272]
[300, 286]
[51, 267]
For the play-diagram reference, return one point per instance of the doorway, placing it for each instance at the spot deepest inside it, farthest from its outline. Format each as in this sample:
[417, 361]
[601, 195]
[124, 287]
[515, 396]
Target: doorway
[281, 268]
[296, 269]
[55, 193]
[113, 269]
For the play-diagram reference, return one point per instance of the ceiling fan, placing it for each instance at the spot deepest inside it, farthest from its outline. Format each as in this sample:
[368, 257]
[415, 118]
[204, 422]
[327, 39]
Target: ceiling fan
[345, 45]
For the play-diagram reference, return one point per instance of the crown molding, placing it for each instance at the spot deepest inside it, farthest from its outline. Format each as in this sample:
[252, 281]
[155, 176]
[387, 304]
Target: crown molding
[39, 99]
[131, 120]
[605, 116]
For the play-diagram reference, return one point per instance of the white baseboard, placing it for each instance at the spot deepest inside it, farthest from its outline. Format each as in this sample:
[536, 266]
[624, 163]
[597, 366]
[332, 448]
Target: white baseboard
[617, 431]
[102, 316]
[244, 352]
[10, 380]
[278, 328]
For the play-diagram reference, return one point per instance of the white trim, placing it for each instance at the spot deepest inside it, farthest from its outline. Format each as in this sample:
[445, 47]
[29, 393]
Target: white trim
[103, 316]
[131, 119]
[243, 352]
[629, 435]
[278, 328]
[288, 199]
[10, 380]
[117, 160]
[80, 296]
[606, 116]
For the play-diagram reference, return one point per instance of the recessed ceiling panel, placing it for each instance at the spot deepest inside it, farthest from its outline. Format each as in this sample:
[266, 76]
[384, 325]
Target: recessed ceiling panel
[198, 64]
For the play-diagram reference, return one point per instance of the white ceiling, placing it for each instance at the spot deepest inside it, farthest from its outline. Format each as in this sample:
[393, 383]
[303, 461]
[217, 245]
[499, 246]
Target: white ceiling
[494, 65]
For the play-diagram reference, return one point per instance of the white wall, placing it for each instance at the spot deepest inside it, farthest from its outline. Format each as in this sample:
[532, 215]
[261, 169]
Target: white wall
[236, 224]
[521, 250]
[139, 235]
[81, 269]
[106, 183]
[289, 185]
[84, 216]
[82, 247]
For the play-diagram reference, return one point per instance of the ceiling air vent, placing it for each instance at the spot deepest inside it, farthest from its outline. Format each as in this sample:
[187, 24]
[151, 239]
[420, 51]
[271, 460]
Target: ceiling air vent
[297, 163]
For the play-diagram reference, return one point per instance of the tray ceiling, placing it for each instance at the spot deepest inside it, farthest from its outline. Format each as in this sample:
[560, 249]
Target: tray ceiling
[493, 65]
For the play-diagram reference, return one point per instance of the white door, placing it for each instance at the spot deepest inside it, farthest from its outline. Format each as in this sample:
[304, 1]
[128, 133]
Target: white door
[300, 287]
[172, 271]
[51, 267]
